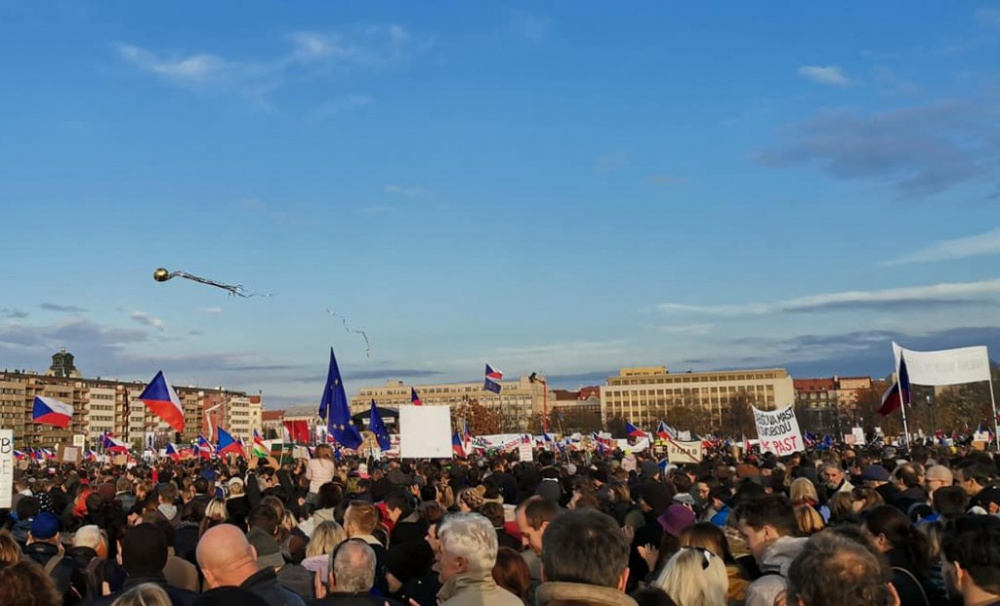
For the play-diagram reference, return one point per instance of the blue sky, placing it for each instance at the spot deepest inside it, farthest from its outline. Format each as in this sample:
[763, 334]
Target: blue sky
[551, 188]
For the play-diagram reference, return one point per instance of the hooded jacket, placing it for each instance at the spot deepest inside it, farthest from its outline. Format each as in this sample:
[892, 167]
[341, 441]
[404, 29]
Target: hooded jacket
[774, 565]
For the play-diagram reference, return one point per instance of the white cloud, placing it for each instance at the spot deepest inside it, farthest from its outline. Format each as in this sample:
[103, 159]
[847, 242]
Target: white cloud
[829, 75]
[147, 320]
[958, 248]
[192, 69]
[212, 310]
[988, 16]
[406, 191]
[892, 299]
[687, 329]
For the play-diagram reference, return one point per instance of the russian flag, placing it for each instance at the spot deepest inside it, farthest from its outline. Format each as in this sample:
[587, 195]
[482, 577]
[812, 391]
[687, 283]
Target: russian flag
[172, 452]
[414, 398]
[51, 412]
[456, 445]
[162, 400]
[227, 443]
[634, 432]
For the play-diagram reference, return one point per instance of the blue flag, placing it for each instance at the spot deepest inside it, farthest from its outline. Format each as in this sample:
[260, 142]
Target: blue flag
[333, 406]
[377, 426]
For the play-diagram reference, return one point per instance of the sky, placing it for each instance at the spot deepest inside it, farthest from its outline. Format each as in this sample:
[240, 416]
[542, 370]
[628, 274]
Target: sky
[548, 187]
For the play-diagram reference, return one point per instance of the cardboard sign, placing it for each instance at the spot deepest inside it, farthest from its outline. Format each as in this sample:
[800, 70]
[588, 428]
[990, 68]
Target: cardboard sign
[684, 452]
[524, 453]
[119, 460]
[79, 441]
[778, 431]
[6, 467]
[68, 454]
[859, 435]
[425, 432]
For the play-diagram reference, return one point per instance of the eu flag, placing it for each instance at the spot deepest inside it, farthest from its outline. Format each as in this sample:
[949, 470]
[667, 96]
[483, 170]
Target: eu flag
[333, 406]
[377, 426]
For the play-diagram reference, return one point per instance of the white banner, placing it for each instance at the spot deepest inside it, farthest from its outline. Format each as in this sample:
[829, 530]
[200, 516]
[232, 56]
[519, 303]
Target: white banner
[425, 432]
[6, 467]
[684, 452]
[778, 431]
[946, 366]
[524, 453]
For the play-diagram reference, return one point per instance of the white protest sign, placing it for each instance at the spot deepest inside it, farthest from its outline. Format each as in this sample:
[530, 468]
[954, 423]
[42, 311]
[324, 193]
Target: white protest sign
[778, 431]
[425, 432]
[859, 435]
[6, 467]
[945, 366]
[849, 439]
[684, 452]
[524, 453]
[79, 441]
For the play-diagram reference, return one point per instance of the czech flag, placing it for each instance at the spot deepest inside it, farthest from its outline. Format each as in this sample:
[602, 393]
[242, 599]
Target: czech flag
[172, 452]
[19, 455]
[634, 432]
[456, 445]
[493, 373]
[898, 393]
[414, 398]
[162, 400]
[227, 443]
[112, 445]
[666, 432]
[205, 448]
[491, 382]
[90, 455]
[52, 412]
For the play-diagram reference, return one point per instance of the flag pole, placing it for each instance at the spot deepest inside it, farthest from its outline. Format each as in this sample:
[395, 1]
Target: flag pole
[903, 405]
[993, 401]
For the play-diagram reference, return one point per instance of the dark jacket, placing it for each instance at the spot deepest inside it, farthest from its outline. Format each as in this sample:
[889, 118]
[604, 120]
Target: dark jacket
[88, 586]
[178, 596]
[265, 585]
[650, 533]
[410, 529]
[353, 599]
[421, 590]
[62, 574]
[913, 586]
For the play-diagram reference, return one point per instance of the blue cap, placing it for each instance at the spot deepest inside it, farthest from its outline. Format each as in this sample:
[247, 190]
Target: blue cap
[45, 526]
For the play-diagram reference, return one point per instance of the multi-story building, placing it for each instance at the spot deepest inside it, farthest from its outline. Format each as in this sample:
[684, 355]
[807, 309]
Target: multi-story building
[577, 411]
[825, 405]
[645, 395]
[520, 404]
[103, 405]
[271, 423]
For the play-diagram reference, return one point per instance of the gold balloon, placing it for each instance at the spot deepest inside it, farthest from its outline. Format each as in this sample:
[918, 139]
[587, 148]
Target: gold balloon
[161, 275]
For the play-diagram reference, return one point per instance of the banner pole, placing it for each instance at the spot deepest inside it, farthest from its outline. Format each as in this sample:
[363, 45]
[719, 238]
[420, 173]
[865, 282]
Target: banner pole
[993, 401]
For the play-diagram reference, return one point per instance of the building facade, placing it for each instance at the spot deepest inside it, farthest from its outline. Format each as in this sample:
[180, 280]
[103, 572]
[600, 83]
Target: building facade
[519, 405]
[827, 405]
[645, 395]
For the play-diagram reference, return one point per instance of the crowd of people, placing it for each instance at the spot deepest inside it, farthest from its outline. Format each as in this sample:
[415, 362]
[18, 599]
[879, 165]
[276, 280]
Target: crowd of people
[838, 526]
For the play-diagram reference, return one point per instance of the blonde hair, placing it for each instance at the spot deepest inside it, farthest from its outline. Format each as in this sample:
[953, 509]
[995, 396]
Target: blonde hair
[324, 451]
[216, 510]
[802, 490]
[325, 537]
[695, 577]
[147, 594]
[809, 520]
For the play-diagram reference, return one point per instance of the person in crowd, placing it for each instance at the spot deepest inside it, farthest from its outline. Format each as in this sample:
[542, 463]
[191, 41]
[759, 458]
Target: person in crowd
[178, 571]
[769, 527]
[407, 526]
[144, 556]
[265, 530]
[865, 499]
[833, 570]
[937, 476]
[351, 577]
[695, 576]
[977, 477]
[146, 594]
[803, 492]
[216, 512]
[360, 522]
[25, 583]
[494, 512]
[468, 553]
[533, 516]
[511, 572]
[809, 520]
[706, 535]
[971, 548]
[45, 548]
[585, 560]
[326, 536]
[835, 480]
[91, 570]
[226, 558]
[320, 470]
[908, 553]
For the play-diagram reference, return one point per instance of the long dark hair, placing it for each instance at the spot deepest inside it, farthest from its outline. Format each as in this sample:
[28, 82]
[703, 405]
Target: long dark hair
[901, 534]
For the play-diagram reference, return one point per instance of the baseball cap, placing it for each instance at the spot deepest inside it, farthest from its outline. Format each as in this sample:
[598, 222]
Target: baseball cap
[45, 526]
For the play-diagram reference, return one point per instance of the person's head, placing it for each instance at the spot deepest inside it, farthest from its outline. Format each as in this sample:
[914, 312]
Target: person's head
[803, 491]
[398, 505]
[585, 546]
[950, 501]
[494, 513]
[970, 546]
[361, 518]
[264, 518]
[836, 571]
[891, 529]
[468, 543]
[865, 499]
[809, 520]
[707, 536]
[324, 451]
[201, 485]
[694, 576]
[144, 550]
[842, 508]
[44, 529]
[330, 495]
[236, 488]
[145, 594]
[974, 474]
[88, 536]
[352, 567]
[833, 476]
[511, 572]
[325, 537]
[10, 551]
[167, 493]
[764, 520]
[25, 583]
[225, 556]
[533, 516]
[937, 477]
[216, 510]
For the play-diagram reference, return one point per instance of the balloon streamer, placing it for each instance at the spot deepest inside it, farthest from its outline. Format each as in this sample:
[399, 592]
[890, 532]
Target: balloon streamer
[368, 345]
[162, 275]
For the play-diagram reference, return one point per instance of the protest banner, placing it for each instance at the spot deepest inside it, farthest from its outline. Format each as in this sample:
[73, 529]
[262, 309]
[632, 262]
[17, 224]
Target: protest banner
[6, 467]
[425, 432]
[684, 452]
[778, 431]
[524, 453]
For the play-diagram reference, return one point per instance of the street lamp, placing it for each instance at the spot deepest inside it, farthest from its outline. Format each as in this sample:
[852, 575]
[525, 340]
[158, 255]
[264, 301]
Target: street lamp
[534, 378]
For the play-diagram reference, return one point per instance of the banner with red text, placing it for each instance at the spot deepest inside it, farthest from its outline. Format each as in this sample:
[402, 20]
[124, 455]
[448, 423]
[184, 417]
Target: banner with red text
[778, 431]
